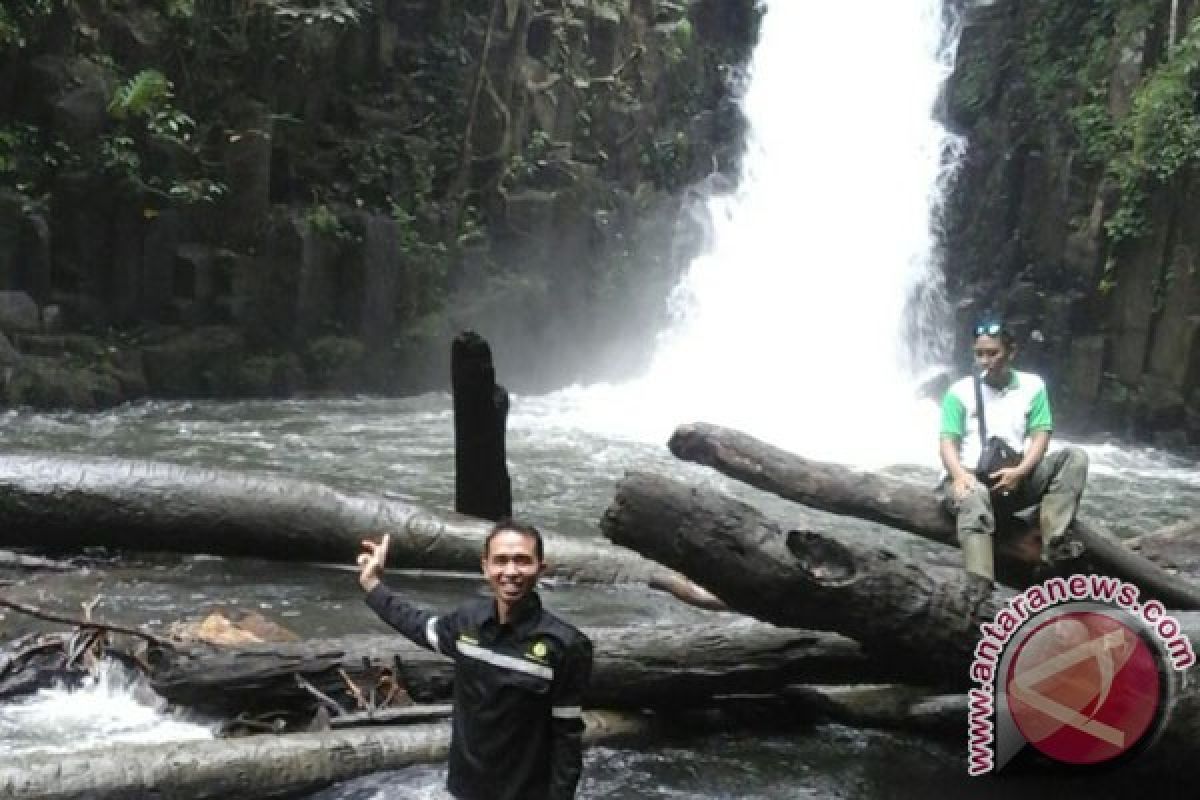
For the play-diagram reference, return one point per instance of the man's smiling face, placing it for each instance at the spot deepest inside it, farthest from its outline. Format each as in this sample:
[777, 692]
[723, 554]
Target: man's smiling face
[512, 567]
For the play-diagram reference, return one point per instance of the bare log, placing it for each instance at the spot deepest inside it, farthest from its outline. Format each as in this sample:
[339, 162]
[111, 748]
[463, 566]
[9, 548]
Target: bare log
[248, 768]
[915, 619]
[1174, 547]
[634, 668]
[910, 507]
[65, 503]
[9, 559]
[923, 623]
[885, 705]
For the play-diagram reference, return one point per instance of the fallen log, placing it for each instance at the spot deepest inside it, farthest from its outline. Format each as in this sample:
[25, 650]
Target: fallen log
[1174, 547]
[249, 768]
[21, 561]
[884, 705]
[897, 609]
[633, 667]
[910, 507]
[923, 623]
[637, 667]
[66, 503]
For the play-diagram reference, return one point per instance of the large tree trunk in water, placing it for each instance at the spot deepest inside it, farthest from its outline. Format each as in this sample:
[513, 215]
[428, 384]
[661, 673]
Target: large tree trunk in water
[910, 507]
[66, 503]
[923, 623]
[481, 484]
[915, 619]
[250, 768]
[1175, 546]
[635, 667]
[639, 667]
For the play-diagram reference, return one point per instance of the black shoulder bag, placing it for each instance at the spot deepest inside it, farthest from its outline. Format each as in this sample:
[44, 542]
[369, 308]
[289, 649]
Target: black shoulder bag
[996, 453]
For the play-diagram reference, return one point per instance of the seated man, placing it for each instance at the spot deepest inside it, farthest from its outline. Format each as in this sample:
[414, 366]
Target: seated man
[1017, 410]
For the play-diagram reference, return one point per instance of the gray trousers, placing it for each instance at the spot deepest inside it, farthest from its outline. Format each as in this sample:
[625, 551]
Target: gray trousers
[1055, 485]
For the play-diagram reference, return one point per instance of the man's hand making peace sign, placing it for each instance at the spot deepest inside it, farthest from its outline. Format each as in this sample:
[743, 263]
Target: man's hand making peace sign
[371, 562]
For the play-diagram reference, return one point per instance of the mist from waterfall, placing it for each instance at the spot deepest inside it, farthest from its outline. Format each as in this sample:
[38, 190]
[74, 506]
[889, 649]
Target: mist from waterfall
[808, 320]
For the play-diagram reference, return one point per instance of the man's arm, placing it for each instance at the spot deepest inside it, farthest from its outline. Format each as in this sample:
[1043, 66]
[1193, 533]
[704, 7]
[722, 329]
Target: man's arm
[419, 625]
[566, 723]
[954, 428]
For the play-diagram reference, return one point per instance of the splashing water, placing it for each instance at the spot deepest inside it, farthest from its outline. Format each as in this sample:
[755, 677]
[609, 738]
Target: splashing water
[109, 708]
[797, 324]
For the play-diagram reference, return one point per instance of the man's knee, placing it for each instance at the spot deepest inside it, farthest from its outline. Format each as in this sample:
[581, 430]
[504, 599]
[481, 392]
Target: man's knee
[974, 512]
[1076, 458]
[1074, 467]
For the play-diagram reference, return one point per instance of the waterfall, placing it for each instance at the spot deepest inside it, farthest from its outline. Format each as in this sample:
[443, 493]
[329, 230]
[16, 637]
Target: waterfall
[809, 320]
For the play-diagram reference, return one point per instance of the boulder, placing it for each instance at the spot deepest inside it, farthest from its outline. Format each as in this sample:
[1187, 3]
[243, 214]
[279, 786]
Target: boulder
[80, 113]
[8, 354]
[18, 313]
[52, 383]
[193, 364]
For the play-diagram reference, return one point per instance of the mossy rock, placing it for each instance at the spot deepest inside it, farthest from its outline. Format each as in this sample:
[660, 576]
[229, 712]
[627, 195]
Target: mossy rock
[334, 362]
[48, 384]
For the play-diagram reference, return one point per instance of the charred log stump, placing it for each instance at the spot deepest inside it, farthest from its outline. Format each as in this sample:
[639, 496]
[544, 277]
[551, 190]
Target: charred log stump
[481, 483]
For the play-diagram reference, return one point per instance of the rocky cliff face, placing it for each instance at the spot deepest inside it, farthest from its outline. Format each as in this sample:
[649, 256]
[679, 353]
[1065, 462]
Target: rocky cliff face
[1074, 212]
[216, 197]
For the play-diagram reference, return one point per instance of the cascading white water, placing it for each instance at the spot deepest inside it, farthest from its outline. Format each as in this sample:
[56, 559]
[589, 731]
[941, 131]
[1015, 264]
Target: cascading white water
[793, 326]
[108, 709]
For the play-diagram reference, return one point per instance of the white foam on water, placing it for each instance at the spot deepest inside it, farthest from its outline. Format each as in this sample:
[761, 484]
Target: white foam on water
[109, 708]
[796, 325]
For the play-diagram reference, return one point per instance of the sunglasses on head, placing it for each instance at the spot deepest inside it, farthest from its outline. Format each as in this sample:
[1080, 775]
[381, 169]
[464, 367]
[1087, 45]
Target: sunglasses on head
[989, 328]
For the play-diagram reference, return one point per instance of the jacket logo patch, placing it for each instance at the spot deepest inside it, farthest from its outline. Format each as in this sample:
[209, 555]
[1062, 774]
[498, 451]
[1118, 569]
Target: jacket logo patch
[537, 652]
[462, 637]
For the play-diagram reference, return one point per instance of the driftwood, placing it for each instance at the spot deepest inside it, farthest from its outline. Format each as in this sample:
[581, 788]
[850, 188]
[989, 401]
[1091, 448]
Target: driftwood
[910, 507]
[248, 768]
[914, 619]
[1175, 547]
[884, 705]
[922, 623]
[482, 487]
[634, 667]
[64, 503]
[21, 561]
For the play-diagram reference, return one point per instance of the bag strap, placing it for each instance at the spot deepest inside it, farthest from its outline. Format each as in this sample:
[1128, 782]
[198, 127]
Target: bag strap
[979, 409]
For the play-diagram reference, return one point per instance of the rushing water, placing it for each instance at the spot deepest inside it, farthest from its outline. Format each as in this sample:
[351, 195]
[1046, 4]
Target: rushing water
[563, 478]
[792, 327]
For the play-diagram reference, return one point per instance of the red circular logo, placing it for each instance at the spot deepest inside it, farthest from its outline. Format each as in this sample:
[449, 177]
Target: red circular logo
[1084, 688]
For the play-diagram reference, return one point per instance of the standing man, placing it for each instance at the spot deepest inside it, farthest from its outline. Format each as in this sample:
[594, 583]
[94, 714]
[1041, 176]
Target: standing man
[1017, 410]
[519, 678]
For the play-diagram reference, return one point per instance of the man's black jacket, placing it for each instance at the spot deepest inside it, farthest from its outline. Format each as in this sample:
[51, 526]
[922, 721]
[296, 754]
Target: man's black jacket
[518, 691]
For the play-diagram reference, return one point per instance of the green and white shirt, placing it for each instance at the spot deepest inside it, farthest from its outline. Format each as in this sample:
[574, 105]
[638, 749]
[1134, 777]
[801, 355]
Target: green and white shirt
[1012, 413]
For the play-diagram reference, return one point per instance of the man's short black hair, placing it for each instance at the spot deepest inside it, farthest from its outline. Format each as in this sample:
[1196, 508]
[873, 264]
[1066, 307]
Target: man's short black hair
[512, 525]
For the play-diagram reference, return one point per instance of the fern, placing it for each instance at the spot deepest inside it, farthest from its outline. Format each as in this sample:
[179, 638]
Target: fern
[143, 95]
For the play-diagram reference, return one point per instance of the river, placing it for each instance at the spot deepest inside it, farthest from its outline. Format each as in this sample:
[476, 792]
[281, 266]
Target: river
[810, 322]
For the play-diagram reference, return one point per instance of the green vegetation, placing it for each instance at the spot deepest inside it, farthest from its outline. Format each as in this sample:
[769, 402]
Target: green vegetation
[1069, 56]
[23, 21]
